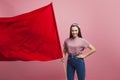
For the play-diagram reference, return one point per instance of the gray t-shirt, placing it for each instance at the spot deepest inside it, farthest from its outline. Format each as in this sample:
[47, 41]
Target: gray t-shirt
[75, 46]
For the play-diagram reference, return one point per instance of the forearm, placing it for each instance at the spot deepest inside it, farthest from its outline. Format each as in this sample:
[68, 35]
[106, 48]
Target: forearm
[64, 53]
[89, 53]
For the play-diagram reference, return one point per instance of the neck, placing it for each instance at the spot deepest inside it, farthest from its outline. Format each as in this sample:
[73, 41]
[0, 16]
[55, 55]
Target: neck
[75, 37]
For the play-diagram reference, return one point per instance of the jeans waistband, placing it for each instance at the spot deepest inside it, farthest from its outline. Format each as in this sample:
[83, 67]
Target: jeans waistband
[73, 55]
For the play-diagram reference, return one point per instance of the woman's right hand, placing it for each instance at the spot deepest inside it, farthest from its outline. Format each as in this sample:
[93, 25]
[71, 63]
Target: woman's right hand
[62, 60]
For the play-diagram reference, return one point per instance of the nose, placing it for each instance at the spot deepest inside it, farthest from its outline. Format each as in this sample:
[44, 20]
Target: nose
[74, 32]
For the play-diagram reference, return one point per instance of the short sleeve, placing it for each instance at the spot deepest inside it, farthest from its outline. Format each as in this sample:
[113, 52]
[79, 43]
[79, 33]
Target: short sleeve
[85, 43]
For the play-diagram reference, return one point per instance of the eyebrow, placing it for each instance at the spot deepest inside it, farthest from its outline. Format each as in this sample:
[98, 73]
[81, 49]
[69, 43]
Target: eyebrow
[74, 30]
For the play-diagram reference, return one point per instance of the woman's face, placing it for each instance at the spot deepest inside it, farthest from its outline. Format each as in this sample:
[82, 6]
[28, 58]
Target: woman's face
[74, 31]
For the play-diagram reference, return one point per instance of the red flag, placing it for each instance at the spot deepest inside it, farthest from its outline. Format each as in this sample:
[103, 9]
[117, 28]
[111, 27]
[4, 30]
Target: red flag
[30, 36]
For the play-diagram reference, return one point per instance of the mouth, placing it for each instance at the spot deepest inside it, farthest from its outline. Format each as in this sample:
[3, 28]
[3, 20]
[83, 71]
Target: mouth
[74, 35]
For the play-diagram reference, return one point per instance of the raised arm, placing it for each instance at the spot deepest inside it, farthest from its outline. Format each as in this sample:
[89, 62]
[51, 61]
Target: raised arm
[91, 51]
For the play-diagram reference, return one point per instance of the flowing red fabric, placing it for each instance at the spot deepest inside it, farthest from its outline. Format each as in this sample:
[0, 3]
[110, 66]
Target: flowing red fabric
[30, 36]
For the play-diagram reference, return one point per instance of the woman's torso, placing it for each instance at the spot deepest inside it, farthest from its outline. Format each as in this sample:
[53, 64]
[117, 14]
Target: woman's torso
[75, 46]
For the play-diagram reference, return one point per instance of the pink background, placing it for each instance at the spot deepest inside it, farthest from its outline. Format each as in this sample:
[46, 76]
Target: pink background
[99, 21]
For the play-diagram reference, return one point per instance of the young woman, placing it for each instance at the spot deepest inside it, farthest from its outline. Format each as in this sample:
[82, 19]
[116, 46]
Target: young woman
[74, 46]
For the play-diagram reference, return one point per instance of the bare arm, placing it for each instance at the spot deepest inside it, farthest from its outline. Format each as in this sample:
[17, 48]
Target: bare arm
[64, 52]
[64, 55]
[91, 51]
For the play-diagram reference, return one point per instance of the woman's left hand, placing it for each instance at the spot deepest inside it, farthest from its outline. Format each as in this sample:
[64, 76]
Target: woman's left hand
[81, 56]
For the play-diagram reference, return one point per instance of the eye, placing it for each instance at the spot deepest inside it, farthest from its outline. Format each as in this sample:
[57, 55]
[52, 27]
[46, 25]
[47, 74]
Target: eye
[73, 30]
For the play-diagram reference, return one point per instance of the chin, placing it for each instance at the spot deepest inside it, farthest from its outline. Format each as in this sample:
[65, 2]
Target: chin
[74, 36]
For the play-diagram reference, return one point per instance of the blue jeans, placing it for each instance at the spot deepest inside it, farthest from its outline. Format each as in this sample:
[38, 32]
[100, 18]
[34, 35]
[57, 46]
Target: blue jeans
[75, 63]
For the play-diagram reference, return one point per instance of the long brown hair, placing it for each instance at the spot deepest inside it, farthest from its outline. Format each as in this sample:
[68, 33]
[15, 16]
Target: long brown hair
[79, 31]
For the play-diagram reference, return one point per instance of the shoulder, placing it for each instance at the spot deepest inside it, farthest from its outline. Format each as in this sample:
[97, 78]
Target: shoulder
[67, 39]
[81, 39]
[85, 41]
